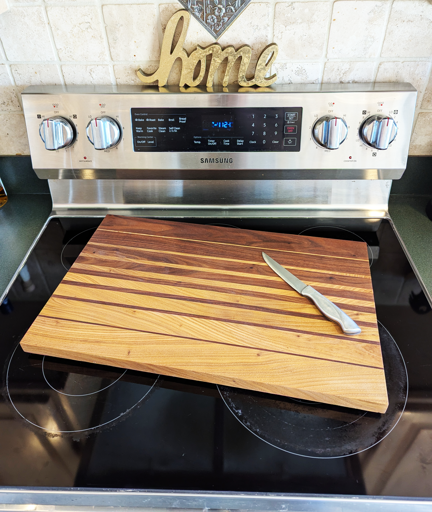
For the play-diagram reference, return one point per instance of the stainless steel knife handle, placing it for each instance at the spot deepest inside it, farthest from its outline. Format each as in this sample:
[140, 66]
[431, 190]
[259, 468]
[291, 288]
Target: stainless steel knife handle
[331, 311]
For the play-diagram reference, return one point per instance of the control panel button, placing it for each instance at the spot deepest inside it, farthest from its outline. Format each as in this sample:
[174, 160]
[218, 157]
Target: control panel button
[57, 133]
[145, 141]
[290, 129]
[103, 132]
[291, 117]
[378, 131]
[330, 132]
[292, 141]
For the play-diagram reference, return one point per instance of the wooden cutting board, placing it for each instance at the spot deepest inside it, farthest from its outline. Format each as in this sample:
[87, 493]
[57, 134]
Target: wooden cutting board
[198, 302]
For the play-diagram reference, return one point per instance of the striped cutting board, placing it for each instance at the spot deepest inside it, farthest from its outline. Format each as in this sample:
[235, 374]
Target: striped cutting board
[198, 302]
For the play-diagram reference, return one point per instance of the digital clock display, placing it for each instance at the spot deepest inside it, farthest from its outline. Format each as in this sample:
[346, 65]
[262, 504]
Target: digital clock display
[217, 123]
[217, 129]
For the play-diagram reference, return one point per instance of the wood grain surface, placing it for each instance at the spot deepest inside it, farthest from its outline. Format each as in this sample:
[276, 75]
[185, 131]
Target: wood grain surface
[199, 302]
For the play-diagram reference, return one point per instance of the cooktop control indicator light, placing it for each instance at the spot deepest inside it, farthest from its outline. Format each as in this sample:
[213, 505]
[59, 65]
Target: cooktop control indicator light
[378, 131]
[57, 133]
[330, 132]
[103, 132]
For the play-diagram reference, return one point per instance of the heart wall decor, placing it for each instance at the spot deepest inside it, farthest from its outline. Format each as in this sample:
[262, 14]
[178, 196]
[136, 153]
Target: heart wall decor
[215, 15]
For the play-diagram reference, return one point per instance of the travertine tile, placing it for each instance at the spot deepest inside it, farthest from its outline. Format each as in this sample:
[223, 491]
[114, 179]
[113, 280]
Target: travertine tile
[196, 35]
[427, 98]
[126, 73]
[13, 135]
[132, 31]
[77, 33]
[415, 73]
[297, 73]
[8, 94]
[409, 31]
[252, 27]
[24, 34]
[300, 29]
[357, 28]
[421, 142]
[17, 2]
[36, 74]
[348, 72]
[92, 75]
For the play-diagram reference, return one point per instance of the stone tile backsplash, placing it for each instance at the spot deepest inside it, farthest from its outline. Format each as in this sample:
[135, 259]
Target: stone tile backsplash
[320, 41]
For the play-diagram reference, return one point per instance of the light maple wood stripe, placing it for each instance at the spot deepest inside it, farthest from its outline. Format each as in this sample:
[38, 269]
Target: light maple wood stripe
[265, 278]
[208, 261]
[172, 323]
[224, 313]
[305, 309]
[195, 248]
[219, 276]
[281, 241]
[210, 363]
[295, 300]
[231, 244]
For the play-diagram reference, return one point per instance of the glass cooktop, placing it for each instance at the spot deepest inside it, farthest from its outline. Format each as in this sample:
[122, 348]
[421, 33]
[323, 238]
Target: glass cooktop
[70, 424]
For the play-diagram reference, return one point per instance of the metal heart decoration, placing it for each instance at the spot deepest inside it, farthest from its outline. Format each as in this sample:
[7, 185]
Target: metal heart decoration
[215, 15]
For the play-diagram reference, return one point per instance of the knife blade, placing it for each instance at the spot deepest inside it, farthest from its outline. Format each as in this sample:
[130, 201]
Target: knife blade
[330, 310]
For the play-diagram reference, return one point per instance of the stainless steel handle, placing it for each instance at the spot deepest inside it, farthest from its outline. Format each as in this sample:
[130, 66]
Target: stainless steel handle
[331, 311]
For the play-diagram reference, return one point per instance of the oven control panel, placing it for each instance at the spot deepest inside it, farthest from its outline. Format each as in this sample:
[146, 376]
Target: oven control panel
[216, 129]
[353, 131]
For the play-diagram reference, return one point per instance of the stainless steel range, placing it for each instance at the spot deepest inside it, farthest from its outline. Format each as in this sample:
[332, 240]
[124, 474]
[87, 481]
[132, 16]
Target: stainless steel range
[317, 160]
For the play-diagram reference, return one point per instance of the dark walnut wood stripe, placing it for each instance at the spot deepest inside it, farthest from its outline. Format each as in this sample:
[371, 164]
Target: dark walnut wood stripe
[205, 317]
[366, 298]
[250, 254]
[276, 241]
[246, 347]
[210, 288]
[210, 260]
[214, 302]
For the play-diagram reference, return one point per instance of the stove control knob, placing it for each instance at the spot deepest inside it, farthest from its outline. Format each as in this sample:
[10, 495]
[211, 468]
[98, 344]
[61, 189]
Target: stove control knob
[378, 131]
[330, 132]
[57, 133]
[103, 132]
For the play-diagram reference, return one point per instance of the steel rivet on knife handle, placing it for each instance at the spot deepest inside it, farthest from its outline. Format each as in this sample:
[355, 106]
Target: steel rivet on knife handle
[331, 311]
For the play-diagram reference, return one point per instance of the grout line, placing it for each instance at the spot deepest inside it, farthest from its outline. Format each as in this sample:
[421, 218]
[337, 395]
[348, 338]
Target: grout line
[106, 42]
[56, 61]
[7, 66]
[144, 62]
[272, 37]
[379, 58]
[325, 56]
[428, 79]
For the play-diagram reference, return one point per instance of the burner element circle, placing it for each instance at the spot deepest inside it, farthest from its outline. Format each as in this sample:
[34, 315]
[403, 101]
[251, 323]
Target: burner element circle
[317, 430]
[89, 383]
[73, 398]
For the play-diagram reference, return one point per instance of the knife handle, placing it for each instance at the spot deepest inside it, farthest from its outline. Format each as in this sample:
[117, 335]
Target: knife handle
[331, 311]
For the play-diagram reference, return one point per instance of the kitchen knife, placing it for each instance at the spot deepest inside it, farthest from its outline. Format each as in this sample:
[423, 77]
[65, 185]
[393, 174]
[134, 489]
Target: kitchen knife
[326, 307]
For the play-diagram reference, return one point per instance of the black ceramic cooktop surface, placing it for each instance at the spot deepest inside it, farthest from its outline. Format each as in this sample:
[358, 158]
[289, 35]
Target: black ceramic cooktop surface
[70, 424]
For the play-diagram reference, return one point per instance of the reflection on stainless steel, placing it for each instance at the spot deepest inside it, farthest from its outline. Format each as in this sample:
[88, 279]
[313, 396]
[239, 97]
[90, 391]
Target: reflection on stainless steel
[319, 196]
[354, 160]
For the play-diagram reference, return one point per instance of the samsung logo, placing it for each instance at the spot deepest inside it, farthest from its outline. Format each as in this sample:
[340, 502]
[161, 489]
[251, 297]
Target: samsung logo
[216, 160]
